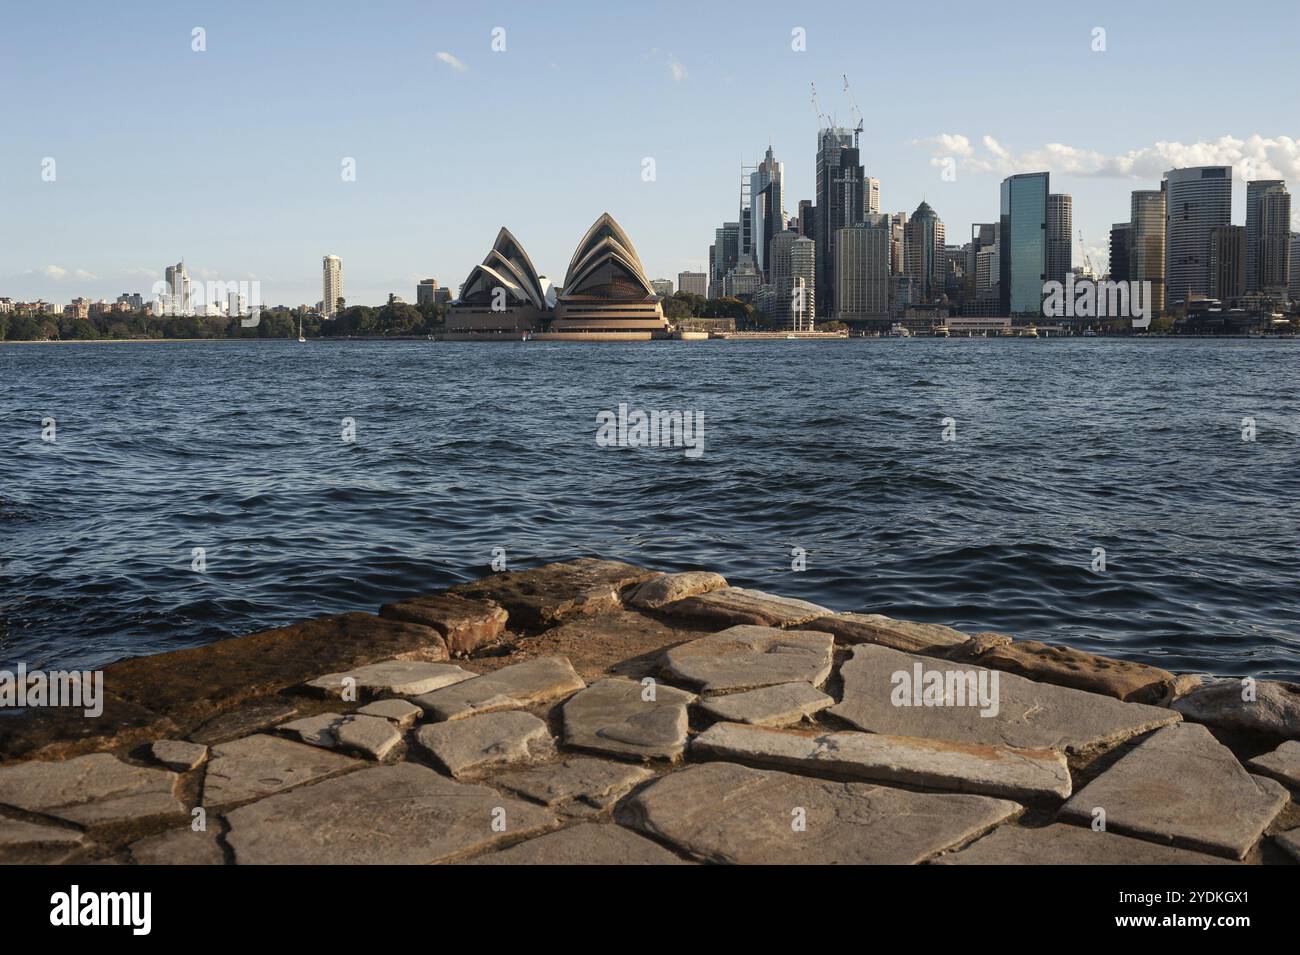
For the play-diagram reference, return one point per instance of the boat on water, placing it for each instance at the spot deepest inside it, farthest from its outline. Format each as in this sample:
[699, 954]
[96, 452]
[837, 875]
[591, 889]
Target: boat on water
[301, 338]
[897, 330]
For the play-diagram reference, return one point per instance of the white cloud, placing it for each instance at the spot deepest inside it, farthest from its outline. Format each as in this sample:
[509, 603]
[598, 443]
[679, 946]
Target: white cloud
[452, 61]
[676, 70]
[57, 273]
[1255, 157]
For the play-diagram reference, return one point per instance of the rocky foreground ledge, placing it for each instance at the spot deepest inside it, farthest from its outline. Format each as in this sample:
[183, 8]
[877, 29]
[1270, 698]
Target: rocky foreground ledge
[598, 712]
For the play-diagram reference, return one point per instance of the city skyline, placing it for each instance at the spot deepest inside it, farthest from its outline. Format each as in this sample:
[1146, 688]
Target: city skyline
[269, 209]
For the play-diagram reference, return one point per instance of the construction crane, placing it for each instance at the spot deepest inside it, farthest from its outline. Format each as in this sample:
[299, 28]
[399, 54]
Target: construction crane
[853, 105]
[817, 107]
[1087, 259]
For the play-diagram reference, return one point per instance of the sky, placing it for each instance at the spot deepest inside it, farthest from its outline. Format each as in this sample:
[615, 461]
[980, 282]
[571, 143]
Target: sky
[233, 156]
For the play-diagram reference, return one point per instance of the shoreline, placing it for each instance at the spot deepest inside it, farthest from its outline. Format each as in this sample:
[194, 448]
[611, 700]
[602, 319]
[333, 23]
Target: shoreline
[615, 709]
[740, 336]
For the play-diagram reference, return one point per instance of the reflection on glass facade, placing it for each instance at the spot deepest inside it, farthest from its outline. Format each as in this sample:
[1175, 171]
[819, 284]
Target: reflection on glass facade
[1024, 243]
[1147, 244]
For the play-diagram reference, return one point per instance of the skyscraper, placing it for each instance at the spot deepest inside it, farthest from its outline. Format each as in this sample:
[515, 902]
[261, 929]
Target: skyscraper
[806, 213]
[1227, 262]
[726, 253]
[1060, 228]
[924, 253]
[1120, 235]
[1023, 243]
[873, 196]
[767, 200]
[1293, 286]
[1147, 243]
[862, 271]
[1196, 199]
[793, 276]
[1268, 230]
[178, 290]
[840, 203]
[332, 285]
[898, 243]
[803, 282]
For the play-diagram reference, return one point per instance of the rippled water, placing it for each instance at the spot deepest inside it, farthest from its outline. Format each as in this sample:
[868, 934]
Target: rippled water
[833, 447]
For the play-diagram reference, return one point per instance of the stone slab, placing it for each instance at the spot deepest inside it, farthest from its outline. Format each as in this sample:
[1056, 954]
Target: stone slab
[585, 844]
[615, 643]
[1182, 787]
[956, 767]
[179, 755]
[193, 685]
[465, 624]
[250, 718]
[1274, 711]
[179, 847]
[400, 712]
[780, 705]
[905, 635]
[1283, 764]
[403, 814]
[31, 843]
[390, 678]
[732, 606]
[258, 766]
[747, 657]
[617, 716]
[1290, 843]
[1062, 844]
[512, 687]
[668, 588]
[369, 736]
[1029, 715]
[94, 790]
[722, 812]
[484, 742]
[596, 782]
[546, 595]
[1065, 666]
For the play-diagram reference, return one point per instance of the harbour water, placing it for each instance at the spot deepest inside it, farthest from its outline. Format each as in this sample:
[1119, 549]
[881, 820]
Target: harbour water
[830, 450]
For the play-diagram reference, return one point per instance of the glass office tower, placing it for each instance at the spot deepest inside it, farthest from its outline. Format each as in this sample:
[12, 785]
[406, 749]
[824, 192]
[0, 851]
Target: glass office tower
[1024, 243]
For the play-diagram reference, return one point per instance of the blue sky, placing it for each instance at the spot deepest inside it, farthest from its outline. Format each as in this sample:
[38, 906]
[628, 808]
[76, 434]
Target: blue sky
[231, 157]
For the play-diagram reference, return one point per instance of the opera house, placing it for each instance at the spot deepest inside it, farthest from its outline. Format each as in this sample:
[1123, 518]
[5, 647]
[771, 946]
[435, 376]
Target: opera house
[606, 295]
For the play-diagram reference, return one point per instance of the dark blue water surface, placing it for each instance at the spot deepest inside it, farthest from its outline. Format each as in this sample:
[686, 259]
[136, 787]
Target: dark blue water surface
[833, 447]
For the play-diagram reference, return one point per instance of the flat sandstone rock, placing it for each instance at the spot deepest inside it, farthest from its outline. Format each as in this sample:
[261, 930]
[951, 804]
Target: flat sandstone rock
[94, 790]
[1026, 715]
[667, 588]
[1061, 844]
[747, 657]
[595, 782]
[369, 736]
[510, 688]
[905, 635]
[780, 705]
[390, 815]
[390, 678]
[1283, 764]
[31, 843]
[485, 742]
[733, 606]
[179, 755]
[721, 812]
[260, 765]
[586, 844]
[956, 767]
[465, 624]
[619, 717]
[179, 847]
[1065, 666]
[549, 594]
[1182, 787]
[1274, 709]
[401, 712]
[1290, 843]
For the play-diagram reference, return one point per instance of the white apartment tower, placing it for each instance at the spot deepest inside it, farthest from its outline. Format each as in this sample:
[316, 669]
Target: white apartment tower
[333, 285]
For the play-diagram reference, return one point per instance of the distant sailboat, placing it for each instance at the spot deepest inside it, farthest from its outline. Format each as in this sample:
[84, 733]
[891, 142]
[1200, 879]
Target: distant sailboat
[300, 335]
